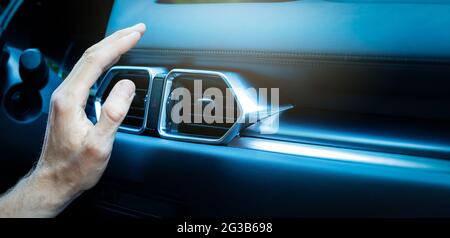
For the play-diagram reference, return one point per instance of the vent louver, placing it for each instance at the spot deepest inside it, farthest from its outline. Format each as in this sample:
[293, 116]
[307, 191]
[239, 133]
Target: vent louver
[203, 129]
[136, 119]
[199, 130]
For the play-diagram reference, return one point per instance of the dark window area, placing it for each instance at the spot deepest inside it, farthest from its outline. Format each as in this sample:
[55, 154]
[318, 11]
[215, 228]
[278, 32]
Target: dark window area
[62, 30]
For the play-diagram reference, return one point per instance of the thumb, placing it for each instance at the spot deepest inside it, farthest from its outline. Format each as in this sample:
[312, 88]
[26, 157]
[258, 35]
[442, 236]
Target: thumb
[115, 108]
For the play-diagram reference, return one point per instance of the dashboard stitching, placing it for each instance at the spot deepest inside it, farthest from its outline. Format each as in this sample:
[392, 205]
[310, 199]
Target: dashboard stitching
[287, 57]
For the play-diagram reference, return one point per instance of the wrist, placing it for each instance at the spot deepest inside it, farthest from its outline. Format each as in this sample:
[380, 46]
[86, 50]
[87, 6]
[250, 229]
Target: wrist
[52, 194]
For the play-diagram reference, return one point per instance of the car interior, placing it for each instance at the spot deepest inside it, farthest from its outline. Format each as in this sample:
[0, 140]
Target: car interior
[363, 127]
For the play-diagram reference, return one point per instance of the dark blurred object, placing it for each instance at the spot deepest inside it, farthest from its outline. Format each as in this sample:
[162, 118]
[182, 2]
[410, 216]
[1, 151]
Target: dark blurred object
[8, 9]
[33, 69]
[23, 104]
[62, 30]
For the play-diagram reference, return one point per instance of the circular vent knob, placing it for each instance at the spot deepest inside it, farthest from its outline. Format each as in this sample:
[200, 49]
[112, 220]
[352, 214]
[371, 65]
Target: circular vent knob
[33, 69]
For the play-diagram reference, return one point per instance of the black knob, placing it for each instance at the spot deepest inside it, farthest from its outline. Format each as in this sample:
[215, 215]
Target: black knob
[33, 69]
[22, 103]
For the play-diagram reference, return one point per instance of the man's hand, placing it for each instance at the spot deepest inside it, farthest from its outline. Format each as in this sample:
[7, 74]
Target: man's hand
[76, 152]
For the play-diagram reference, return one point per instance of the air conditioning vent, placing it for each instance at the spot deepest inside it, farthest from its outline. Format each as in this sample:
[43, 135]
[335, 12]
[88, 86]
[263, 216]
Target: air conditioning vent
[192, 123]
[203, 129]
[136, 119]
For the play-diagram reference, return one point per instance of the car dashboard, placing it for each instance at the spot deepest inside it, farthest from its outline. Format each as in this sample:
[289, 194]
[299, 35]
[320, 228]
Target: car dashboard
[362, 125]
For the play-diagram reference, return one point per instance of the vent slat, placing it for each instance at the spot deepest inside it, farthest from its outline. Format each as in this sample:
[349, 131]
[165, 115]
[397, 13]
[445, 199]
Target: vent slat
[141, 79]
[207, 126]
[203, 129]
[137, 108]
[134, 117]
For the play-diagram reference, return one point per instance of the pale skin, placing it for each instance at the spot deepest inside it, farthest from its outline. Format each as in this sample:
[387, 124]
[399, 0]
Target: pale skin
[75, 152]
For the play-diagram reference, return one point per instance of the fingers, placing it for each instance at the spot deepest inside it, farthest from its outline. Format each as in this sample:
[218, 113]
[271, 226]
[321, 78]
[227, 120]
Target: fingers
[96, 60]
[115, 108]
[100, 57]
[121, 46]
[141, 28]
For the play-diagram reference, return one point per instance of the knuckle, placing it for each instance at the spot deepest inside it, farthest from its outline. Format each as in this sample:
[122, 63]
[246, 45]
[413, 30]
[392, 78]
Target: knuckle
[94, 58]
[120, 33]
[95, 151]
[113, 114]
[90, 55]
[58, 102]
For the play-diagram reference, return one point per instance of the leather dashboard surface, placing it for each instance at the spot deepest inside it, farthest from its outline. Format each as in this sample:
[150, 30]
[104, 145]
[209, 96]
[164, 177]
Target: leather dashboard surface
[349, 58]
[295, 27]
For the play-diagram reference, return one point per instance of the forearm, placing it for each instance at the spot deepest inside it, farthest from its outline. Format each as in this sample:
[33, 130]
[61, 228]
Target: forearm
[34, 196]
[76, 152]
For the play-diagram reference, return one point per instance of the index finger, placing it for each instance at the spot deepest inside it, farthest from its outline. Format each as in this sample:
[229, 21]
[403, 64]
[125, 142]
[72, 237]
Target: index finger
[96, 60]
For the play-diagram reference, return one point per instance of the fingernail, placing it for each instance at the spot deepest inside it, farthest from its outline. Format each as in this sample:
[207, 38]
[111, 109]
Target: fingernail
[126, 88]
[135, 34]
[141, 27]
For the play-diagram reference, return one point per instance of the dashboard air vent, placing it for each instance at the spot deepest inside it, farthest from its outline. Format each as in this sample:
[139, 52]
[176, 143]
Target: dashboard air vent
[188, 97]
[136, 119]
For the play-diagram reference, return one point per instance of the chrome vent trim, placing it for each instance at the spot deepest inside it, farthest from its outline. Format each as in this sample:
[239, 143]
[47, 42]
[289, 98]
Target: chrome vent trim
[237, 87]
[151, 71]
